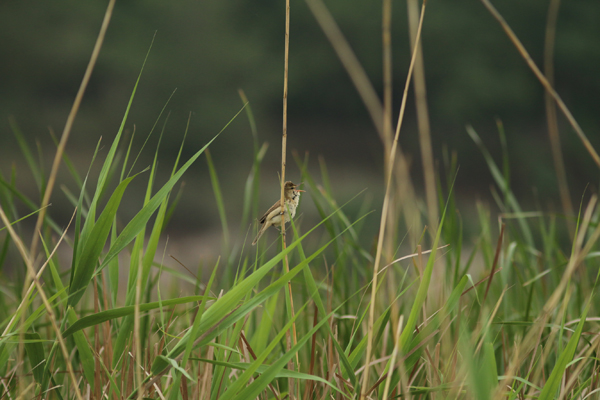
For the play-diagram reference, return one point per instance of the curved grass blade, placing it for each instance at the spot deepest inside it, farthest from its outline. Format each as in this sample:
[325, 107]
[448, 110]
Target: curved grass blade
[36, 355]
[103, 316]
[108, 163]
[503, 184]
[141, 218]
[238, 384]
[229, 301]
[264, 379]
[86, 264]
[284, 373]
[553, 382]
[407, 334]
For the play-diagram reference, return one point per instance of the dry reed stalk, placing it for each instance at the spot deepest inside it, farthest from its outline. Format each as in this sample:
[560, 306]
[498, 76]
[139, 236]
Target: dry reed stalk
[350, 62]
[313, 350]
[69, 124]
[370, 99]
[384, 212]
[250, 351]
[533, 338]
[97, 376]
[551, 118]
[386, 28]
[26, 294]
[423, 118]
[405, 192]
[387, 73]
[563, 107]
[496, 258]
[207, 375]
[393, 360]
[136, 333]
[108, 353]
[282, 197]
[32, 275]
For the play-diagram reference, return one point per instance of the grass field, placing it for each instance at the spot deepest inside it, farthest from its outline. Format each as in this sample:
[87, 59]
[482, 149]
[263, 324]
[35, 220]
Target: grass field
[328, 312]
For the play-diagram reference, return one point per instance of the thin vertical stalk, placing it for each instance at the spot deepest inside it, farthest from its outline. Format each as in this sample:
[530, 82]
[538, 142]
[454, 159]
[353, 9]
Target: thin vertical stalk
[423, 118]
[137, 334]
[387, 123]
[386, 28]
[69, 124]
[285, 96]
[393, 360]
[387, 73]
[27, 259]
[98, 375]
[369, 97]
[351, 64]
[384, 212]
[282, 197]
[551, 118]
[549, 89]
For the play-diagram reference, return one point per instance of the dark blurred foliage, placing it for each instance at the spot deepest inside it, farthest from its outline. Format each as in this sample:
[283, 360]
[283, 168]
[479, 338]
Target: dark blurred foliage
[207, 50]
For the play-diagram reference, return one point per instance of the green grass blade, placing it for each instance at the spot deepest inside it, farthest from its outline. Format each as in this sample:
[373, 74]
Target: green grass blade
[108, 162]
[126, 328]
[36, 355]
[22, 218]
[314, 293]
[282, 373]
[434, 324]
[194, 335]
[27, 154]
[214, 180]
[107, 315]
[141, 218]
[226, 305]
[270, 373]
[238, 384]
[86, 265]
[500, 181]
[77, 248]
[148, 136]
[28, 203]
[261, 336]
[555, 378]
[407, 333]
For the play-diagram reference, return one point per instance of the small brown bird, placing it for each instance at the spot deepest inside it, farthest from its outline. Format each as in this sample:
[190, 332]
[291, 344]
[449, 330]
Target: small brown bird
[273, 216]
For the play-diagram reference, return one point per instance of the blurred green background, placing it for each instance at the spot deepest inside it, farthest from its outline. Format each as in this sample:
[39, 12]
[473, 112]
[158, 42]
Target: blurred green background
[207, 50]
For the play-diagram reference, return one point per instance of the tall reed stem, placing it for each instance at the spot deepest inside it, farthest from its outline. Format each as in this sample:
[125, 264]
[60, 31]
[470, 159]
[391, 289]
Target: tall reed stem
[282, 197]
[384, 213]
[69, 124]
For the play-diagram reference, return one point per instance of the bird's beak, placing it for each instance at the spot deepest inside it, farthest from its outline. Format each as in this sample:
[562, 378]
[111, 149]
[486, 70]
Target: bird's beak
[298, 190]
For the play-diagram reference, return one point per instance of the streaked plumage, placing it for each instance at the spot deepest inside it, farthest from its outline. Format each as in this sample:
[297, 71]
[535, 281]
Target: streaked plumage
[273, 215]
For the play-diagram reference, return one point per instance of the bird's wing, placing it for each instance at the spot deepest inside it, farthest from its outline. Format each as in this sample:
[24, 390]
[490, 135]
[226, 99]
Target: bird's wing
[269, 211]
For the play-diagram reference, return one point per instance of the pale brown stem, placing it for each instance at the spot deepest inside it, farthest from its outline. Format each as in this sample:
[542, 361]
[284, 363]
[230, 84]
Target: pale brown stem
[384, 212]
[423, 118]
[386, 28]
[69, 124]
[551, 118]
[387, 73]
[543, 80]
[27, 259]
[282, 197]
[137, 334]
[350, 62]
[368, 96]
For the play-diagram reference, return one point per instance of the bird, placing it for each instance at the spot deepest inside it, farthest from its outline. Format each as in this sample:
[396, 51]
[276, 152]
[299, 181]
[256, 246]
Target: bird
[273, 215]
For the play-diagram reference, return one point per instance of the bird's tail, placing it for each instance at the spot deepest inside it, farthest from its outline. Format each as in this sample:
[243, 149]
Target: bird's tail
[260, 233]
